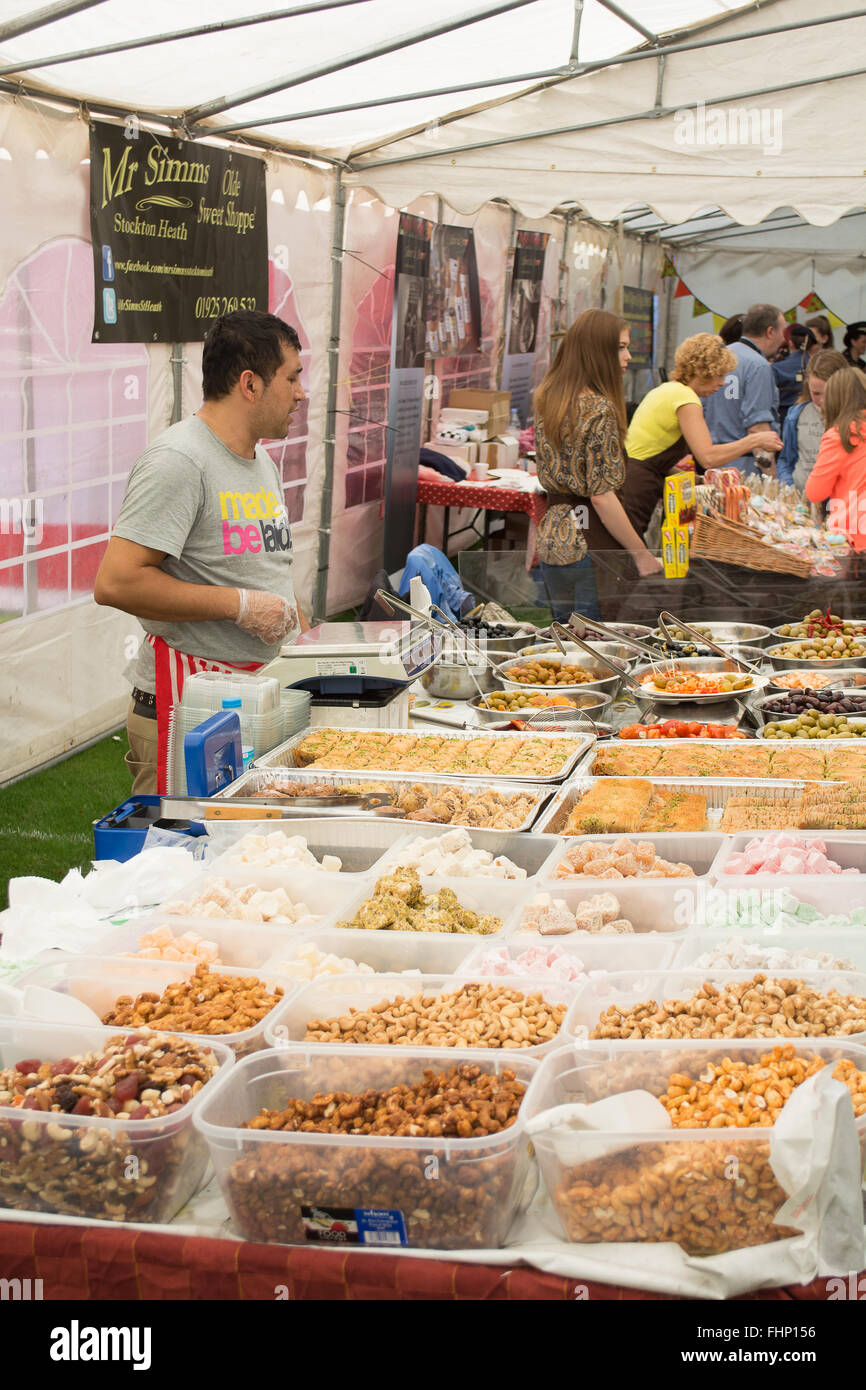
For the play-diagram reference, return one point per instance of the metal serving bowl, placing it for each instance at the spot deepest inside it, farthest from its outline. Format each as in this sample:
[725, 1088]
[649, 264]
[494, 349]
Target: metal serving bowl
[708, 665]
[592, 703]
[620, 652]
[852, 679]
[450, 680]
[505, 645]
[728, 634]
[760, 706]
[779, 636]
[796, 663]
[602, 679]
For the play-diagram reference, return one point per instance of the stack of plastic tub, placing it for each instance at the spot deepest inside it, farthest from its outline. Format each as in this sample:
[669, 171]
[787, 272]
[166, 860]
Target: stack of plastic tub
[295, 706]
[260, 712]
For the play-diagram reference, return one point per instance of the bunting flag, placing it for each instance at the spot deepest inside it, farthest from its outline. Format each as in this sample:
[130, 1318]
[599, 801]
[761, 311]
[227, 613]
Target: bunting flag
[811, 303]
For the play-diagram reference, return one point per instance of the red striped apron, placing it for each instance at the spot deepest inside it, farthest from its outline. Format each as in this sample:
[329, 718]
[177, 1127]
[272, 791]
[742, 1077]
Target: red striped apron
[172, 669]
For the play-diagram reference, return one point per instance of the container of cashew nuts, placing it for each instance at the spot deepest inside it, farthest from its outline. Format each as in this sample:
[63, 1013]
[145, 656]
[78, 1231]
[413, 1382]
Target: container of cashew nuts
[97, 1122]
[376, 1147]
[703, 1178]
[437, 1011]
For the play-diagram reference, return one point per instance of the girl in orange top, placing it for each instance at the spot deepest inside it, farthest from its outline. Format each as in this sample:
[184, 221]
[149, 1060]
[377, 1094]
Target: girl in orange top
[840, 468]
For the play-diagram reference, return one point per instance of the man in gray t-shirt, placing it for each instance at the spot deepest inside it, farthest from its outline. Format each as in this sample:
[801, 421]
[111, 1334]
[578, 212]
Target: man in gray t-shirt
[748, 403]
[202, 551]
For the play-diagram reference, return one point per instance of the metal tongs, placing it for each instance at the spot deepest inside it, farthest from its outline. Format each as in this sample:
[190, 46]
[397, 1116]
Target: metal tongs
[578, 621]
[701, 640]
[559, 632]
[390, 603]
[275, 808]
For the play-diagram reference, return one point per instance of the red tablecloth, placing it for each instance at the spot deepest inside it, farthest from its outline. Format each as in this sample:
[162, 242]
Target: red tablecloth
[486, 496]
[92, 1262]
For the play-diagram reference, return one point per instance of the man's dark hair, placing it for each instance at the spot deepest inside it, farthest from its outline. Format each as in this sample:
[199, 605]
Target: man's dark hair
[758, 319]
[243, 341]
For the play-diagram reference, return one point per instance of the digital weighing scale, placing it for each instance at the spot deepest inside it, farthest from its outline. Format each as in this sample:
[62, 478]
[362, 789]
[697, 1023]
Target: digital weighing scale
[358, 673]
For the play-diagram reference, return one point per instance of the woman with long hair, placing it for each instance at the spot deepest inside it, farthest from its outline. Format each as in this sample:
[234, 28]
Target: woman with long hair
[669, 423]
[580, 426]
[804, 423]
[823, 330]
[839, 474]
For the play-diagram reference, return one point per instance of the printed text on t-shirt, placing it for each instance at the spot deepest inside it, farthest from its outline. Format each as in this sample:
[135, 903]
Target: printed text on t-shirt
[272, 532]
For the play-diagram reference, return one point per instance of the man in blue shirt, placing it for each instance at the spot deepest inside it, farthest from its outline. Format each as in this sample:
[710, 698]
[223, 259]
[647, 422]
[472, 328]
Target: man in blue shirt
[749, 399]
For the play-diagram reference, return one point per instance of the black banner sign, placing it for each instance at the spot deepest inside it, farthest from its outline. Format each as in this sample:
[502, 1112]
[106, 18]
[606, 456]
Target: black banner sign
[454, 309]
[179, 233]
[638, 310]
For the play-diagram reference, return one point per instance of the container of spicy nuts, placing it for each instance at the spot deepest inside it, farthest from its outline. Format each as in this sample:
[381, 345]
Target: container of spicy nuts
[227, 1003]
[706, 1181]
[356, 1146]
[97, 1122]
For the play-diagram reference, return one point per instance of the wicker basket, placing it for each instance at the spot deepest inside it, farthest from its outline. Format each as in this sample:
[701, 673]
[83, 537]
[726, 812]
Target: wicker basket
[732, 543]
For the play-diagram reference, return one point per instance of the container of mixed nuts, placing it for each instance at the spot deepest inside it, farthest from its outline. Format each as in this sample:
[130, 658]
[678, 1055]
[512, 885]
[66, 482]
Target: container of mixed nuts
[341, 1146]
[704, 1180]
[97, 1122]
[227, 1003]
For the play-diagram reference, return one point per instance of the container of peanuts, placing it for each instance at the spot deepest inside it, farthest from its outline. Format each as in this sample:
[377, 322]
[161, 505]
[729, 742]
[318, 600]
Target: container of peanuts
[97, 1122]
[415, 1147]
[633, 1007]
[703, 1179]
[228, 1004]
[425, 1011]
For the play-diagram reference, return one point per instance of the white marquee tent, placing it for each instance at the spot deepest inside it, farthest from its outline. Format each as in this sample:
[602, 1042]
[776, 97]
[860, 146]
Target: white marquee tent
[730, 135]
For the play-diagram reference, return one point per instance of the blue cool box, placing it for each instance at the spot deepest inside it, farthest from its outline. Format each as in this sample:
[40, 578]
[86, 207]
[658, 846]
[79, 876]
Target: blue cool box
[120, 834]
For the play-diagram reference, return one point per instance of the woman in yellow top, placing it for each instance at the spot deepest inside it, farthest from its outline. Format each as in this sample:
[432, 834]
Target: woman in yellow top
[669, 423]
[579, 428]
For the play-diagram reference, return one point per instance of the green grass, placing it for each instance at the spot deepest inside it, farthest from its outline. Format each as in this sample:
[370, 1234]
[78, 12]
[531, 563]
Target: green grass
[45, 819]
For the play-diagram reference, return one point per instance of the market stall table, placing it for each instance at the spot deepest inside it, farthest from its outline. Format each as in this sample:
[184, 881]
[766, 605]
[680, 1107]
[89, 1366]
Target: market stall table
[99, 1262]
[483, 497]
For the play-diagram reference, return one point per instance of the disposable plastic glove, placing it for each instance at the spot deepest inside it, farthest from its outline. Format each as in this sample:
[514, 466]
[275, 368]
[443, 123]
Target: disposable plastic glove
[266, 616]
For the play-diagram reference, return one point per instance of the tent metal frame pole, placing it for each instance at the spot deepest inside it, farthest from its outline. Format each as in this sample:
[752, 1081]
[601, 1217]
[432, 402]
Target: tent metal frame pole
[636, 55]
[575, 32]
[49, 14]
[196, 114]
[761, 229]
[320, 592]
[387, 101]
[629, 20]
[172, 123]
[652, 114]
[177, 364]
[150, 40]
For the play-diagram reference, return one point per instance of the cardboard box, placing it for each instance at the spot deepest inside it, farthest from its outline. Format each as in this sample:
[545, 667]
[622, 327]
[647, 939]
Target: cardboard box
[679, 499]
[464, 454]
[496, 403]
[681, 540]
[669, 551]
[500, 453]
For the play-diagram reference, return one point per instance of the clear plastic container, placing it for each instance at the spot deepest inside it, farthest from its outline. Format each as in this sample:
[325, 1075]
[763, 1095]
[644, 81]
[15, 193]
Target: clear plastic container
[851, 854]
[244, 944]
[326, 895]
[386, 952]
[699, 850]
[326, 999]
[82, 1165]
[295, 1188]
[829, 894]
[841, 945]
[498, 898]
[534, 853]
[359, 844]
[668, 907]
[630, 988]
[99, 981]
[207, 689]
[586, 949]
[707, 1190]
